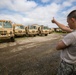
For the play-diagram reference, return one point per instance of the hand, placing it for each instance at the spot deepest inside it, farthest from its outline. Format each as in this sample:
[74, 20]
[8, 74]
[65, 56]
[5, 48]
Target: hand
[53, 21]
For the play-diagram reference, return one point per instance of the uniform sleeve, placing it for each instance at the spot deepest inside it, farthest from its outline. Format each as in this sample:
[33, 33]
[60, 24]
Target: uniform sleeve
[69, 39]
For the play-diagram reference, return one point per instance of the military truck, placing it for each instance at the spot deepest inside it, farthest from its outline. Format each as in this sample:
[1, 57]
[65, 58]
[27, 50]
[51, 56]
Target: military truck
[6, 30]
[32, 30]
[57, 30]
[43, 30]
[19, 30]
[51, 30]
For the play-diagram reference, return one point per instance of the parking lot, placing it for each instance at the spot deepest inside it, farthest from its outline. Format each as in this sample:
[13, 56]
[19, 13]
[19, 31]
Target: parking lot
[30, 55]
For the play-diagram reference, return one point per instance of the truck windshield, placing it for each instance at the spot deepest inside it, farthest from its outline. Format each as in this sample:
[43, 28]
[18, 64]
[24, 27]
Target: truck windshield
[7, 25]
[22, 27]
[19, 27]
[0, 24]
[45, 27]
[32, 27]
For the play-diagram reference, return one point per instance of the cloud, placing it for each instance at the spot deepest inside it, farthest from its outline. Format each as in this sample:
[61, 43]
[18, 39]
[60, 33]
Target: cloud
[67, 4]
[40, 15]
[18, 5]
[69, 10]
[44, 12]
[14, 18]
[22, 5]
[33, 13]
[43, 15]
[45, 1]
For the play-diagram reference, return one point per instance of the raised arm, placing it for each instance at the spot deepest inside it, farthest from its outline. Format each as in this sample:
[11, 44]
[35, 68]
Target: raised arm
[63, 27]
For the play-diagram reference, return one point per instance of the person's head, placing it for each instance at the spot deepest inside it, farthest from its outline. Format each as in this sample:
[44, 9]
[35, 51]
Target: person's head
[71, 19]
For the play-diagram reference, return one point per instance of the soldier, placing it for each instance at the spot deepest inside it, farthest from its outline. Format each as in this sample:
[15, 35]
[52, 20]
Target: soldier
[67, 46]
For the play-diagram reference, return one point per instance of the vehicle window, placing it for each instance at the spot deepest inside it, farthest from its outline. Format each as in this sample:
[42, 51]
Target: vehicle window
[22, 27]
[7, 25]
[45, 27]
[19, 27]
[32, 27]
[0, 24]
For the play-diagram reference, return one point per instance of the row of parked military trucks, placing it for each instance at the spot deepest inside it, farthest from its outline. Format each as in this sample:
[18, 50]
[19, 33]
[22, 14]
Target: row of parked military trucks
[8, 30]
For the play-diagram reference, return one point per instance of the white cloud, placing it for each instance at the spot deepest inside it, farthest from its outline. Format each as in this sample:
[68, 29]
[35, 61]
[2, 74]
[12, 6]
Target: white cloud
[67, 4]
[39, 15]
[34, 14]
[45, 1]
[22, 5]
[69, 10]
[44, 13]
[18, 5]
[14, 18]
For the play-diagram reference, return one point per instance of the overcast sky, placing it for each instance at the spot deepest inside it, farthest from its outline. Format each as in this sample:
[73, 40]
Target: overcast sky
[40, 12]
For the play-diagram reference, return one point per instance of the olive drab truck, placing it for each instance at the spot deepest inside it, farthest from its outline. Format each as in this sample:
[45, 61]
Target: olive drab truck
[6, 30]
[19, 30]
[43, 30]
[32, 30]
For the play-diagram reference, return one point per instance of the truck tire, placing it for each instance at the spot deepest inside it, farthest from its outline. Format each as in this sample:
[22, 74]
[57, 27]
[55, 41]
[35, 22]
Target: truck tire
[46, 34]
[12, 39]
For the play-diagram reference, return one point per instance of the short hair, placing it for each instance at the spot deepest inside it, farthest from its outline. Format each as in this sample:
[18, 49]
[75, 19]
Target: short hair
[72, 14]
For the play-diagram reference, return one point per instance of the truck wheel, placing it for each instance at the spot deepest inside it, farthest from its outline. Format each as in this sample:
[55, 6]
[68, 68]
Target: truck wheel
[34, 35]
[12, 39]
[46, 34]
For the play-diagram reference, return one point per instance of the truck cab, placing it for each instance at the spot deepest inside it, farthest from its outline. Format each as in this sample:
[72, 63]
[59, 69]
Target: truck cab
[6, 30]
[32, 30]
[51, 30]
[43, 30]
[19, 30]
